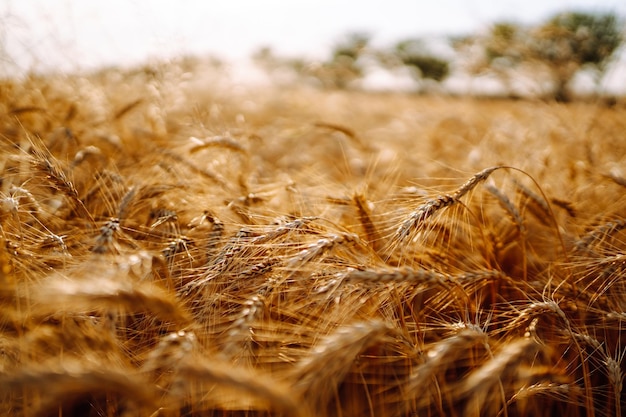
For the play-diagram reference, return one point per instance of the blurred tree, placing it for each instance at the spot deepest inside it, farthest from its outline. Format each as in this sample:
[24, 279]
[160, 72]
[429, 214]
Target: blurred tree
[415, 54]
[569, 41]
[561, 46]
[423, 58]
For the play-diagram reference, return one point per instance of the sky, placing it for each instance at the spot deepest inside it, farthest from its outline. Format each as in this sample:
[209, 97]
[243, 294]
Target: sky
[70, 35]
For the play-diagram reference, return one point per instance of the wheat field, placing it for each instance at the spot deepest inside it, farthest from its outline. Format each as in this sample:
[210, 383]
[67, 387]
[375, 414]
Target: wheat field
[173, 245]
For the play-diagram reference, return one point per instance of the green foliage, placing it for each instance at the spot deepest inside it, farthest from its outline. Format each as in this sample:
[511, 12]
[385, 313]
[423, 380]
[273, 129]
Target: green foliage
[503, 41]
[562, 45]
[415, 54]
[351, 47]
[576, 37]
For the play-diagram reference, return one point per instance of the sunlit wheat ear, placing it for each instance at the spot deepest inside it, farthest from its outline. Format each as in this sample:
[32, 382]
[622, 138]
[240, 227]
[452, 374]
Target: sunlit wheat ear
[282, 230]
[235, 388]
[62, 384]
[45, 163]
[34, 207]
[481, 386]
[319, 248]
[538, 308]
[318, 376]
[429, 208]
[108, 287]
[394, 276]
[220, 263]
[216, 141]
[106, 240]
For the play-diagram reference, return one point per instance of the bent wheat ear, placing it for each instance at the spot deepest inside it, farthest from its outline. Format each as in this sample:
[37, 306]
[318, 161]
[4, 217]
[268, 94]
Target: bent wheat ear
[421, 214]
[319, 248]
[74, 379]
[103, 289]
[474, 181]
[428, 209]
[247, 383]
[565, 393]
[283, 229]
[217, 141]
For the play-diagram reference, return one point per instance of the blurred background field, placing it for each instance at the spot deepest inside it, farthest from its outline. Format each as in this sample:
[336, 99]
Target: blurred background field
[373, 45]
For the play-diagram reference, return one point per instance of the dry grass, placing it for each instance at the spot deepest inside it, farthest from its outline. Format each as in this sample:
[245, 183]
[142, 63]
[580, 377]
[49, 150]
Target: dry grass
[173, 246]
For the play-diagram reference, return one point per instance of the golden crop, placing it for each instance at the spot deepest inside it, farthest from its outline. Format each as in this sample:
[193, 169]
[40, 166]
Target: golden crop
[175, 246]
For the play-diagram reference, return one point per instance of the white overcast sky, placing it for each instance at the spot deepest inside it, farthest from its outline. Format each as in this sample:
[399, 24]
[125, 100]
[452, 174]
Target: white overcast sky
[75, 34]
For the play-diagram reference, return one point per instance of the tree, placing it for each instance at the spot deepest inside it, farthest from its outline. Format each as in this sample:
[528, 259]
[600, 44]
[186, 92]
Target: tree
[416, 55]
[426, 65]
[569, 41]
[561, 46]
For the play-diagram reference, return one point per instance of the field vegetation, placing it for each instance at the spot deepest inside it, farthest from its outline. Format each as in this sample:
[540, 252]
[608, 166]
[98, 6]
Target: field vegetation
[172, 245]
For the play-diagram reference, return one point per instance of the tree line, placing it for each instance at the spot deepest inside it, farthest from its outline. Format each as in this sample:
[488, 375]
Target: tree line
[552, 52]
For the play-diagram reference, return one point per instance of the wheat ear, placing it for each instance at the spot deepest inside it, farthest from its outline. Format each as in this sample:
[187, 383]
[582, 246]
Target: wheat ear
[105, 289]
[319, 374]
[244, 381]
[48, 165]
[437, 358]
[428, 209]
[73, 378]
[601, 232]
[481, 382]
